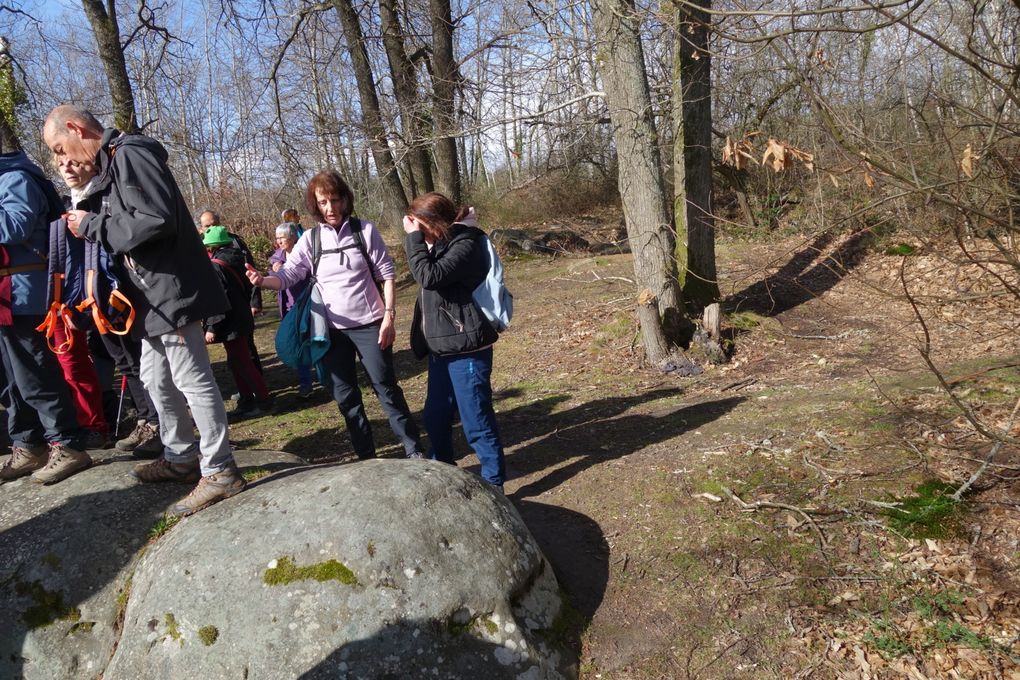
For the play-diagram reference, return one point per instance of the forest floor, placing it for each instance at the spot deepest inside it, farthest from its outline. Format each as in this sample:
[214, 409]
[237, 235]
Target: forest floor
[726, 525]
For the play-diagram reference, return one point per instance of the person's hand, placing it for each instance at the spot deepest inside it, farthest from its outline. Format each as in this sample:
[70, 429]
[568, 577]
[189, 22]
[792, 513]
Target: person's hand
[253, 275]
[387, 331]
[74, 220]
[277, 266]
[255, 311]
[410, 225]
[210, 337]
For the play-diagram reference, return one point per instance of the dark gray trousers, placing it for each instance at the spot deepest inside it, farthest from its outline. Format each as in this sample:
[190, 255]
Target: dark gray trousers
[39, 405]
[339, 365]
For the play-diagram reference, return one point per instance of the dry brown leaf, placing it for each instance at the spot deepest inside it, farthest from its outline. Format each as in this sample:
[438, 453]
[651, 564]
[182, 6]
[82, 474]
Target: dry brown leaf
[967, 162]
[777, 152]
[832, 178]
[869, 180]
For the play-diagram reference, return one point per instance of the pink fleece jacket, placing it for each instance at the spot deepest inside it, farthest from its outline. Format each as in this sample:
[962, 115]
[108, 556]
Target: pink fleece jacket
[345, 281]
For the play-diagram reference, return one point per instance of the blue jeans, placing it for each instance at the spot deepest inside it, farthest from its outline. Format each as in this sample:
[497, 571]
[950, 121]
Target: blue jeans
[462, 382]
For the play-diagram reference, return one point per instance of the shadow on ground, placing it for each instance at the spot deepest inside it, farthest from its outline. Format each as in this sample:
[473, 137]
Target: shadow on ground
[563, 444]
[798, 280]
[57, 563]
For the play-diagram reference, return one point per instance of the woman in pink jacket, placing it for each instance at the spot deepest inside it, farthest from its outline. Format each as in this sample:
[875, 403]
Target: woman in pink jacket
[353, 262]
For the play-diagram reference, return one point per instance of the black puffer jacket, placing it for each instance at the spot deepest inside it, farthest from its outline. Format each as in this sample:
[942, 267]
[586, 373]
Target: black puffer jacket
[139, 215]
[446, 318]
[237, 322]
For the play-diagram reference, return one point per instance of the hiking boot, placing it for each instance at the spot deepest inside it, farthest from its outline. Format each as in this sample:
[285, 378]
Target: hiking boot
[162, 470]
[23, 462]
[97, 440]
[264, 407]
[246, 408]
[211, 489]
[64, 462]
[306, 391]
[143, 441]
[150, 448]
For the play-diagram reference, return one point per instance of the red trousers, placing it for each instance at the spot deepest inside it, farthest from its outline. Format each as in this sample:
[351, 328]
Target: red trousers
[80, 374]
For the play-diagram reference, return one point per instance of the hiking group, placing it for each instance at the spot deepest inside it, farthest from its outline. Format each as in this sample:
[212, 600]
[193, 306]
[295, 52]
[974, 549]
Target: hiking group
[118, 275]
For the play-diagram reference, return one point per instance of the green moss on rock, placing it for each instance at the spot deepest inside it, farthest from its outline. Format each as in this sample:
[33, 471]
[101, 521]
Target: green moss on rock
[287, 571]
[51, 560]
[172, 629]
[208, 634]
[48, 606]
[81, 627]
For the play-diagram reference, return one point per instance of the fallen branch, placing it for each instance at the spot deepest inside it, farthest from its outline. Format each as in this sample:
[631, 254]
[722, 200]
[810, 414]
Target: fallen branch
[803, 512]
[988, 460]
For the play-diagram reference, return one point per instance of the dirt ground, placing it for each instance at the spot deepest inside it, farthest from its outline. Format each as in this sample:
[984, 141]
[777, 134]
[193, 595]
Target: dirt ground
[735, 524]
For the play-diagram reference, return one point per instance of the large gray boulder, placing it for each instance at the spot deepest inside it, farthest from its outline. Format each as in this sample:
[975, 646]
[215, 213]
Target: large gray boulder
[67, 552]
[376, 569]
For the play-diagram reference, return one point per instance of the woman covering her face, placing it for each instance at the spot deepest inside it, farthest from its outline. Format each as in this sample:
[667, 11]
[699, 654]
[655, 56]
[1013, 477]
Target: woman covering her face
[448, 260]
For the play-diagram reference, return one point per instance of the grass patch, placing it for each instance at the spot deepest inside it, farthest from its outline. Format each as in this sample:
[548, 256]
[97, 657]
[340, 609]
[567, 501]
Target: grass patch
[617, 329]
[164, 524]
[745, 321]
[902, 249]
[931, 513]
[287, 571]
[887, 639]
[255, 473]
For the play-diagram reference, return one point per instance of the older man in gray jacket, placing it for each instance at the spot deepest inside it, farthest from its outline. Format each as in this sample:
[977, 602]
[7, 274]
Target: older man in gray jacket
[136, 211]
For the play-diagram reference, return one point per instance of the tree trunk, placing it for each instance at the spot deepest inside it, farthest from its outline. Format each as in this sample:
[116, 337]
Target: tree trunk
[645, 206]
[692, 157]
[107, 32]
[405, 89]
[444, 86]
[394, 199]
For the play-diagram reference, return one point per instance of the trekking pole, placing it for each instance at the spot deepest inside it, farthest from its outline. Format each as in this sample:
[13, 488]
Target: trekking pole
[120, 406]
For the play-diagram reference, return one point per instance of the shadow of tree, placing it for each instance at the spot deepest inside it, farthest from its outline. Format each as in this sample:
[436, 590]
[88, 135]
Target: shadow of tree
[598, 432]
[798, 281]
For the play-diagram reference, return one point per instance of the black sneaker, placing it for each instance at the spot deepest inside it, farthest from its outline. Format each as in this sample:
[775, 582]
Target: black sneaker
[246, 408]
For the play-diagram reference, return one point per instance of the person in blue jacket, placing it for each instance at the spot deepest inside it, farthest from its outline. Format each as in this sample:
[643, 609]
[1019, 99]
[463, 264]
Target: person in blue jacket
[46, 441]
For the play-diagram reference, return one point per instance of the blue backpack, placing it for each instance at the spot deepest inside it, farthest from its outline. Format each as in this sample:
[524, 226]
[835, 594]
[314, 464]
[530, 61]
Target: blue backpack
[302, 338]
[491, 295]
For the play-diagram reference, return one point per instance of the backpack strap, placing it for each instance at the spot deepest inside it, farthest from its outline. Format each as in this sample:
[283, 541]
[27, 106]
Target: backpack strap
[118, 301]
[237, 277]
[316, 250]
[58, 312]
[360, 242]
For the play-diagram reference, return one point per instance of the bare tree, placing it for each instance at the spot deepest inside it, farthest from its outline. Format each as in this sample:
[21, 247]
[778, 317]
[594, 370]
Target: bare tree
[692, 155]
[394, 197]
[103, 19]
[642, 191]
